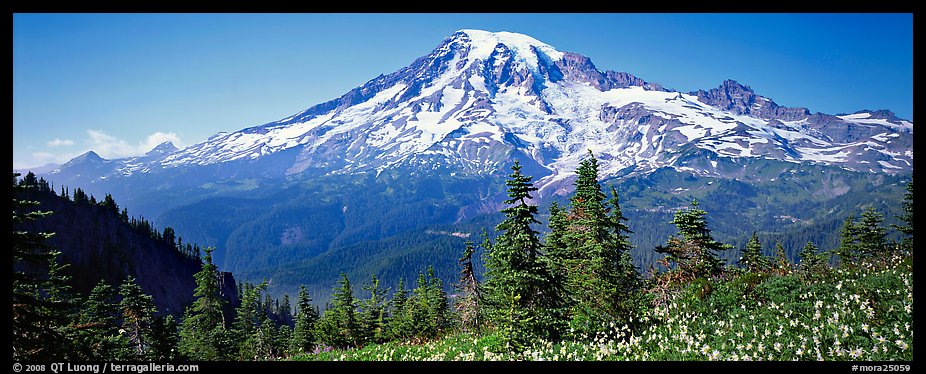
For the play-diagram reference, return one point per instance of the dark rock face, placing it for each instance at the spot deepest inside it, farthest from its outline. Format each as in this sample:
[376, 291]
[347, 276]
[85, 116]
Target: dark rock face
[740, 99]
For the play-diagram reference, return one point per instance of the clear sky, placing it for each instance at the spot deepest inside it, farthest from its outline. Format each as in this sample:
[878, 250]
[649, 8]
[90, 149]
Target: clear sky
[120, 84]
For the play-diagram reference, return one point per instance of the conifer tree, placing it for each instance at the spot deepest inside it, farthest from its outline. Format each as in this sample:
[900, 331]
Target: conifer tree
[281, 341]
[373, 317]
[872, 235]
[516, 276]
[590, 246]
[468, 293]
[110, 204]
[907, 218]
[848, 251]
[303, 337]
[248, 318]
[263, 343]
[202, 333]
[782, 263]
[163, 339]
[752, 258]
[862, 238]
[41, 307]
[810, 258]
[398, 311]
[137, 315]
[285, 311]
[693, 250]
[339, 326]
[628, 278]
[98, 324]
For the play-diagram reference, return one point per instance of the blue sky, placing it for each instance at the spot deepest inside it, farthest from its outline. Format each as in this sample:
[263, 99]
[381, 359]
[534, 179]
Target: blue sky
[121, 83]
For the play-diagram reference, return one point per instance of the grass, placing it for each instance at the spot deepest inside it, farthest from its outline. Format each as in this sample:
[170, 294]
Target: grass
[860, 313]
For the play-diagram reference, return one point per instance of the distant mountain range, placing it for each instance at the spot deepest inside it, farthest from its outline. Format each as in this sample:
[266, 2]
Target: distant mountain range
[445, 129]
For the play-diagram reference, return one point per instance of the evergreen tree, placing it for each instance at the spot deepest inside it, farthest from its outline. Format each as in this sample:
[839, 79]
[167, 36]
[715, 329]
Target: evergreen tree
[303, 338]
[163, 339]
[782, 263]
[339, 326]
[98, 337]
[264, 344]
[137, 315]
[620, 239]
[515, 271]
[399, 321]
[285, 311]
[248, 317]
[468, 293]
[590, 249]
[373, 317]
[862, 238]
[810, 258]
[752, 258]
[693, 250]
[907, 228]
[848, 251]
[872, 235]
[80, 197]
[41, 307]
[110, 204]
[282, 340]
[438, 309]
[202, 333]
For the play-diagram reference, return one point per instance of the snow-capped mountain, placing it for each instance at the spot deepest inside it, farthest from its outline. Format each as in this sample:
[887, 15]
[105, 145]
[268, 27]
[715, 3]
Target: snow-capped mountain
[424, 150]
[481, 99]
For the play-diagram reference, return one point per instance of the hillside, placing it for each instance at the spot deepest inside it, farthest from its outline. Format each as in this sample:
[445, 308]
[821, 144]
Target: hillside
[98, 245]
[862, 314]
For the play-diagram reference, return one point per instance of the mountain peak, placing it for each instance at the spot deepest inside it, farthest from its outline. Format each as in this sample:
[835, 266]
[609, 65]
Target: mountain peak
[732, 86]
[89, 156]
[480, 97]
[163, 148]
[483, 43]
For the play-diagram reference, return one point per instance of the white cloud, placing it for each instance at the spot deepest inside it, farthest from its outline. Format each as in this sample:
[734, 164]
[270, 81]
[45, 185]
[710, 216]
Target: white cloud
[107, 146]
[60, 142]
[110, 147]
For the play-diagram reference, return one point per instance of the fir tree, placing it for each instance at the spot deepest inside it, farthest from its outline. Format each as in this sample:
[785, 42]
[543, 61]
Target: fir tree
[752, 258]
[264, 343]
[339, 326]
[693, 250]
[468, 293]
[41, 307]
[110, 204]
[248, 317]
[98, 337]
[848, 251]
[285, 311]
[514, 270]
[373, 317]
[782, 263]
[303, 338]
[202, 333]
[163, 339]
[862, 238]
[810, 258]
[137, 315]
[284, 336]
[907, 218]
[398, 311]
[872, 235]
